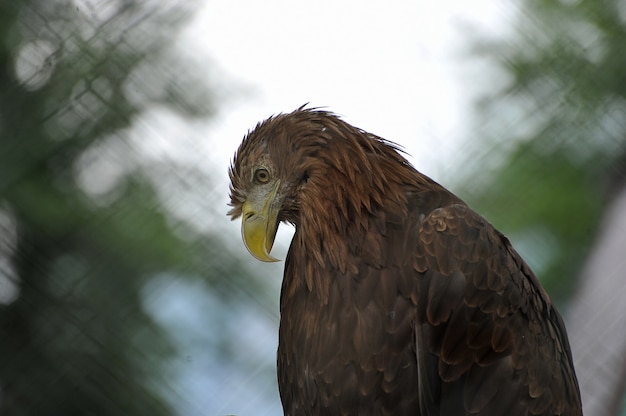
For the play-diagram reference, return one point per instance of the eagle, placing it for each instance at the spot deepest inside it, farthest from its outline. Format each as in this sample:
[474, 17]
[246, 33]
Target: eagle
[397, 298]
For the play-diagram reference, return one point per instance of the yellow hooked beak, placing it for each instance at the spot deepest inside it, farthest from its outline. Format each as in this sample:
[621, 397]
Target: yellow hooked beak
[259, 224]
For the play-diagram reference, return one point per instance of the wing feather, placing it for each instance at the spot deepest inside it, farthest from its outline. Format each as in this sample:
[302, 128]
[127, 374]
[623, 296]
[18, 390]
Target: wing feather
[499, 345]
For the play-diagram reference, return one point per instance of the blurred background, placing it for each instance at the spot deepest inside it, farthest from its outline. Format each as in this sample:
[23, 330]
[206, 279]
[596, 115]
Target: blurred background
[125, 290]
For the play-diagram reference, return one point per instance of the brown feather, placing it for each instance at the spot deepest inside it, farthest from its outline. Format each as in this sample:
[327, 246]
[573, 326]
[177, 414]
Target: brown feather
[397, 299]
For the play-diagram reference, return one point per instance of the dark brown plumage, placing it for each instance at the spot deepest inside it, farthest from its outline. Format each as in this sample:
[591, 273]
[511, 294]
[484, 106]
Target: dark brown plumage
[397, 299]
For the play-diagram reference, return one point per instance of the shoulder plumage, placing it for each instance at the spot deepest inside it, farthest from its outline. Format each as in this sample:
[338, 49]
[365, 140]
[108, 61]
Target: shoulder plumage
[485, 322]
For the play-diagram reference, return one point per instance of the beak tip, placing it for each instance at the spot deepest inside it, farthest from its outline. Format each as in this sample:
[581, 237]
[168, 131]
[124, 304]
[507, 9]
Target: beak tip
[270, 259]
[264, 256]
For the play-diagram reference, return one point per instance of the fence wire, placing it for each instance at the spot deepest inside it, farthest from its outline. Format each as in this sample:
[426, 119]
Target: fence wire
[119, 292]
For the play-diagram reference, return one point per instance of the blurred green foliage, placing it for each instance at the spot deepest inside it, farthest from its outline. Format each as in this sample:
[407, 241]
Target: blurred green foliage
[557, 129]
[75, 260]
[75, 337]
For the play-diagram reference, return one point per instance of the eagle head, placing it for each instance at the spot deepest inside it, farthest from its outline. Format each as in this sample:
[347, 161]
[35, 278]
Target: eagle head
[317, 172]
[268, 173]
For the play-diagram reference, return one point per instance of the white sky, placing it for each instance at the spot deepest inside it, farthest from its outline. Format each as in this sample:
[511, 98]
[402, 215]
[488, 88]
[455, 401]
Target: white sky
[395, 68]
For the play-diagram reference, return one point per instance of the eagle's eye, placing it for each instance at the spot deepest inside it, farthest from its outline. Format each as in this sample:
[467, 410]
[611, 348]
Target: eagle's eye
[261, 175]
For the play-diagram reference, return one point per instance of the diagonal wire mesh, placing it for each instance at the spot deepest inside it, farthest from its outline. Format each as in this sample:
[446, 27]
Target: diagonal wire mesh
[119, 290]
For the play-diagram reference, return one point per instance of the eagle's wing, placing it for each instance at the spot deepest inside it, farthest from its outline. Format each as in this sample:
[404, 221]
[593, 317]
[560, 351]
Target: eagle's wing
[488, 341]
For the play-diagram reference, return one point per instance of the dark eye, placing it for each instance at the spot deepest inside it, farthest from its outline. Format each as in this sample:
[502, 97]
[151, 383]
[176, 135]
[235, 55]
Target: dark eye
[261, 175]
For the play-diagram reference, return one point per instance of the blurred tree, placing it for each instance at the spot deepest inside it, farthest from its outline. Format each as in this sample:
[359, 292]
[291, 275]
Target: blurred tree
[82, 229]
[554, 131]
[556, 139]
